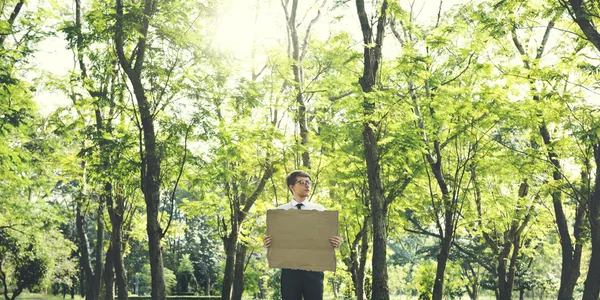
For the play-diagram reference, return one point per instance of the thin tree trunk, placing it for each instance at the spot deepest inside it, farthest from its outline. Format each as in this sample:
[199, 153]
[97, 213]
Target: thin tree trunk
[93, 277]
[230, 245]
[296, 54]
[362, 262]
[109, 275]
[241, 206]
[99, 248]
[150, 173]
[298, 78]
[571, 255]
[11, 20]
[116, 217]
[507, 242]
[521, 294]
[473, 287]
[592, 282]
[357, 259]
[207, 288]
[84, 254]
[442, 261]
[240, 264]
[372, 46]
[447, 234]
[151, 188]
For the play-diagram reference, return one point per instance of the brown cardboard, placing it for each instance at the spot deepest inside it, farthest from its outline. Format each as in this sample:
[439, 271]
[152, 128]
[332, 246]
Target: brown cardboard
[300, 239]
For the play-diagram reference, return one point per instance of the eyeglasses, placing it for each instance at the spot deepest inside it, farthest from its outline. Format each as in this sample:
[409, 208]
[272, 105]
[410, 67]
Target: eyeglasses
[304, 182]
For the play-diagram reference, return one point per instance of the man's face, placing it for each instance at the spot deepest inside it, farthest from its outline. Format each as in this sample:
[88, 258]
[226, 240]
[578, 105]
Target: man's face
[302, 187]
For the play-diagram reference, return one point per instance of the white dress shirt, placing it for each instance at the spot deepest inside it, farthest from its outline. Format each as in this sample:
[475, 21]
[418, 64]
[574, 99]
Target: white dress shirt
[305, 206]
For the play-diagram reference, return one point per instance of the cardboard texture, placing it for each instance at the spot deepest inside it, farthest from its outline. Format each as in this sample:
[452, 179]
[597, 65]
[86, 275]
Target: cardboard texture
[300, 239]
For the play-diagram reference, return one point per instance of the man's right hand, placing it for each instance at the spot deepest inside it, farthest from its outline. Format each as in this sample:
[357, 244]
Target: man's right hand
[267, 241]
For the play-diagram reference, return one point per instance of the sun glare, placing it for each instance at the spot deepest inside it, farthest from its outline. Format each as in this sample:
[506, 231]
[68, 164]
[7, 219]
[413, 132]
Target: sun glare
[238, 27]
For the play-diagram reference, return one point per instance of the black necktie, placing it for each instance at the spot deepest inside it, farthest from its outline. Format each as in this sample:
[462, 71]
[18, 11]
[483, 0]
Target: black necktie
[299, 205]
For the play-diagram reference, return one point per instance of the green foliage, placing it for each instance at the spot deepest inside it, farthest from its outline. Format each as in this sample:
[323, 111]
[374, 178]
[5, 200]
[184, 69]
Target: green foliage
[458, 83]
[30, 261]
[145, 280]
[424, 278]
[185, 273]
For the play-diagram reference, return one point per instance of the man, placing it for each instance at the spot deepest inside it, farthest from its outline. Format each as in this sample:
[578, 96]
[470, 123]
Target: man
[296, 284]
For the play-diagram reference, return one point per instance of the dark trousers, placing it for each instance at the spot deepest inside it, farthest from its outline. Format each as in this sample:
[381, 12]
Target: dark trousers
[298, 283]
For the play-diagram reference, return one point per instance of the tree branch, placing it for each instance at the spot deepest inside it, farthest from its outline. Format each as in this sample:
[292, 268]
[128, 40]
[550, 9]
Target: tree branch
[11, 19]
[183, 160]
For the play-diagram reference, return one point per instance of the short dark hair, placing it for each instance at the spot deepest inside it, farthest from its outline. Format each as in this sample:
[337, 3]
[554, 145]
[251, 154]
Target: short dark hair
[291, 179]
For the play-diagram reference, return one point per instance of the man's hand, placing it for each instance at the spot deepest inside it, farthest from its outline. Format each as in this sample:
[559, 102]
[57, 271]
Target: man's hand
[336, 241]
[267, 241]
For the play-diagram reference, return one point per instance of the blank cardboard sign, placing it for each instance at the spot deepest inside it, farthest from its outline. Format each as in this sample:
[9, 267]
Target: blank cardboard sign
[300, 239]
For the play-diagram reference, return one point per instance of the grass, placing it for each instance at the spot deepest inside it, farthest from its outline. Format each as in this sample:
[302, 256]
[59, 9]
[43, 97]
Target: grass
[36, 296]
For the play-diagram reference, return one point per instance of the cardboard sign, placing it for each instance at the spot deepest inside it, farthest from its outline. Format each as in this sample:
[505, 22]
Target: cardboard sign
[300, 239]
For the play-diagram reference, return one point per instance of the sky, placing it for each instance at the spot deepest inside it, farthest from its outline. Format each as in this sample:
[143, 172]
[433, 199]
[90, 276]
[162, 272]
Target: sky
[53, 57]
[236, 29]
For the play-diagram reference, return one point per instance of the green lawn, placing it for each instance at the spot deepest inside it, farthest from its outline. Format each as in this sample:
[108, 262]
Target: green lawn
[35, 296]
[32, 296]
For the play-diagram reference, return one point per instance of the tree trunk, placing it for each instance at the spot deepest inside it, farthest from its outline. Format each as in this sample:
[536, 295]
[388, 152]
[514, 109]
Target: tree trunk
[504, 291]
[99, 248]
[474, 294]
[116, 217]
[230, 245]
[240, 264]
[442, 261]
[447, 233]
[92, 275]
[241, 204]
[11, 20]
[472, 286]
[522, 294]
[207, 288]
[372, 57]
[509, 242]
[261, 291]
[84, 254]
[296, 55]
[571, 255]
[151, 184]
[357, 259]
[592, 282]
[379, 214]
[364, 251]
[109, 275]
[150, 174]
[298, 78]
[151, 189]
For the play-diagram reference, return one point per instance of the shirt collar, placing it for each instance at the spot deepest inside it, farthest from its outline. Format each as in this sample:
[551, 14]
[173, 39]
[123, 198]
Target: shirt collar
[294, 202]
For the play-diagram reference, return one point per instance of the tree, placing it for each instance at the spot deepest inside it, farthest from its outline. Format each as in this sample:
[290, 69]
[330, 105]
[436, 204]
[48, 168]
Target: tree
[242, 179]
[296, 54]
[373, 43]
[544, 81]
[29, 267]
[29, 153]
[506, 245]
[583, 13]
[162, 53]
[150, 179]
[445, 83]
